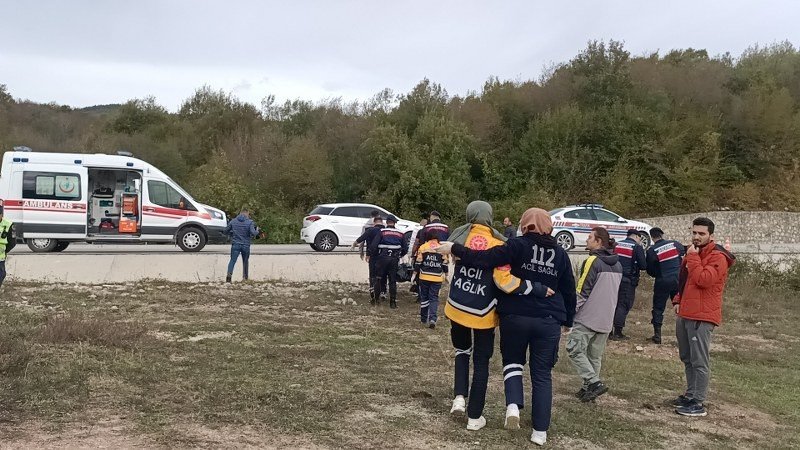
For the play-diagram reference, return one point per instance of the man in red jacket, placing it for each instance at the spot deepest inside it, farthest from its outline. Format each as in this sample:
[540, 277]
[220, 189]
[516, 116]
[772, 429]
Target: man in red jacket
[698, 305]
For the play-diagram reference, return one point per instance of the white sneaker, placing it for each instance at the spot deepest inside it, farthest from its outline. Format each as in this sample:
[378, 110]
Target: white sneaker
[459, 405]
[512, 417]
[539, 437]
[476, 424]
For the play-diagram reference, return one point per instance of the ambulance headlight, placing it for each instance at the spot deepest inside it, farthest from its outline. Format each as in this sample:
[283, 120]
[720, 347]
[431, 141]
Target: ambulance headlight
[216, 214]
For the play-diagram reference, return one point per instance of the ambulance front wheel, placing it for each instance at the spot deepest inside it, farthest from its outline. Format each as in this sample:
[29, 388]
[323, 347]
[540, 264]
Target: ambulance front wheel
[191, 239]
[42, 245]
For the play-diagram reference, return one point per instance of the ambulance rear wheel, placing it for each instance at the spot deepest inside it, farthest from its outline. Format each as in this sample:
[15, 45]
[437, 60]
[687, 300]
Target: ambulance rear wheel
[565, 240]
[61, 246]
[191, 239]
[42, 245]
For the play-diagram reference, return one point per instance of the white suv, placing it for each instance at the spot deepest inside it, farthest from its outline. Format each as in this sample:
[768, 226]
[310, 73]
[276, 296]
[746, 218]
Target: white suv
[340, 224]
[572, 225]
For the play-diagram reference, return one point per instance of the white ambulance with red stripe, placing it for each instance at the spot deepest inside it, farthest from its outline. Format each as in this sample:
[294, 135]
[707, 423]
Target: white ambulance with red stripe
[572, 225]
[57, 198]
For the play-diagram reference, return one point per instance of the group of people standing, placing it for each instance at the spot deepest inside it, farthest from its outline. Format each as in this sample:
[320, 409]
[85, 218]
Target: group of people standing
[525, 286]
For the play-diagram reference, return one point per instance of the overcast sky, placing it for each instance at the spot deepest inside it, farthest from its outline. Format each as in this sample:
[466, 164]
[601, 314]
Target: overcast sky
[83, 53]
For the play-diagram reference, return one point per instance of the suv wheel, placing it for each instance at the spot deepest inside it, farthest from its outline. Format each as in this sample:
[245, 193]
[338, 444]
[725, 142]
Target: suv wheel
[565, 240]
[645, 241]
[191, 239]
[42, 245]
[325, 241]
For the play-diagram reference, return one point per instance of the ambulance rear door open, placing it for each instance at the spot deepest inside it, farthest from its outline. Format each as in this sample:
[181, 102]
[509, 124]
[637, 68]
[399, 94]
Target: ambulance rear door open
[52, 201]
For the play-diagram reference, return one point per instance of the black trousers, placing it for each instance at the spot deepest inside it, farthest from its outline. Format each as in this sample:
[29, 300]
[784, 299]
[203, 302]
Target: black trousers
[625, 299]
[373, 260]
[386, 267]
[2, 271]
[664, 289]
[480, 345]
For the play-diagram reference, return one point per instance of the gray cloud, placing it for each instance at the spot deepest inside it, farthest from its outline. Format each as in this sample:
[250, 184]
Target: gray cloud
[87, 52]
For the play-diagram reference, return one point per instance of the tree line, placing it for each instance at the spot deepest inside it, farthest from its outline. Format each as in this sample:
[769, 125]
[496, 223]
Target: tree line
[644, 135]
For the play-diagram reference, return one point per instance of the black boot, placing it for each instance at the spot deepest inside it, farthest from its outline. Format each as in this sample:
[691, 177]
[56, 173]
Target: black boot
[393, 304]
[617, 335]
[228, 278]
[656, 334]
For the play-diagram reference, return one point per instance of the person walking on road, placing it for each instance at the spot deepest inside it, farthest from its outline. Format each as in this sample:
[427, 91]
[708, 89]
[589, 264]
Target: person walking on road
[471, 307]
[241, 230]
[509, 232]
[663, 264]
[531, 318]
[702, 279]
[598, 289]
[633, 260]
[389, 245]
[7, 242]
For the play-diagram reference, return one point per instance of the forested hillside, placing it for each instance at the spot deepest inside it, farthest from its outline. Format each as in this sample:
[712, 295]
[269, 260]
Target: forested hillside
[645, 135]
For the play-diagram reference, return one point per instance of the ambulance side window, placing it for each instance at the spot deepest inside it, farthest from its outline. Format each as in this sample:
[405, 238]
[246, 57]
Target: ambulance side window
[162, 194]
[51, 186]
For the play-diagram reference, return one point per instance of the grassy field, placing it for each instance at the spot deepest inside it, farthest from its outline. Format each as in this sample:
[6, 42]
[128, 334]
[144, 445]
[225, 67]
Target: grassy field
[280, 365]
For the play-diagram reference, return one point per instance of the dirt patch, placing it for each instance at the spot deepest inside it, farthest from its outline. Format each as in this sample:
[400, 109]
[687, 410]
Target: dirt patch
[108, 433]
[665, 351]
[209, 335]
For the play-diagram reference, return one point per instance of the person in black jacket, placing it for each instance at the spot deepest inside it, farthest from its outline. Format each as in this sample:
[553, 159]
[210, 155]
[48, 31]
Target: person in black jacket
[531, 320]
[509, 231]
[633, 260]
[366, 237]
[388, 246]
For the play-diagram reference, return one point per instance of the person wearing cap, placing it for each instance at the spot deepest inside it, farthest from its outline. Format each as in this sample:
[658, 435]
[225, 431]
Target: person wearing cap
[532, 318]
[388, 246]
[433, 229]
[633, 260]
[7, 242]
[663, 264]
[366, 237]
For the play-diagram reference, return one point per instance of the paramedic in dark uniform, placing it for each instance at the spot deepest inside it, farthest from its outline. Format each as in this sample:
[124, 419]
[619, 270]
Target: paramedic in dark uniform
[633, 260]
[388, 246]
[663, 264]
[366, 237]
[7, 242]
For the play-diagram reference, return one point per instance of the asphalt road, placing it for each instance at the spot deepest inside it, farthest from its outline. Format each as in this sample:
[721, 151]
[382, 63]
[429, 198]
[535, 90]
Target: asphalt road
[303, 249]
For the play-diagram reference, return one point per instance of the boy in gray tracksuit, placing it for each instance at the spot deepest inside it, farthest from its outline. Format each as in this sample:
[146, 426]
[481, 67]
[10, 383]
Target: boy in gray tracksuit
[598, 287]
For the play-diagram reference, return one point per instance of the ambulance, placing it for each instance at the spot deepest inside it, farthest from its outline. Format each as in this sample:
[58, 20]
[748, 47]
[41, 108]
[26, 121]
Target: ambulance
[58, 198]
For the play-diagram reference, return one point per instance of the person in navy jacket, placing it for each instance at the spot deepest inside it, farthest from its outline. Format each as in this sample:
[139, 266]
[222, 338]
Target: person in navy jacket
[663, 264]
[633, 260]
[388, 246]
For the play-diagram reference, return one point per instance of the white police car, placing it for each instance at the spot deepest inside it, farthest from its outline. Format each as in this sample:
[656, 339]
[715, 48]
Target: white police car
[572, 225]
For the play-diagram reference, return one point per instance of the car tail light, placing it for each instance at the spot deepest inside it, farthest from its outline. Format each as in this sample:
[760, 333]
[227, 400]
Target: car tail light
[313, 218]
